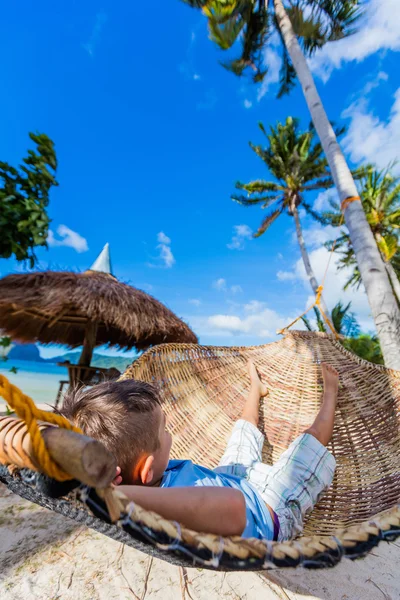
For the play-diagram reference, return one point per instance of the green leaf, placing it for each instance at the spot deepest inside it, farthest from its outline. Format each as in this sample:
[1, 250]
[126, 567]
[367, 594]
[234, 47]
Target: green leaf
[24, 196]
[5, 342]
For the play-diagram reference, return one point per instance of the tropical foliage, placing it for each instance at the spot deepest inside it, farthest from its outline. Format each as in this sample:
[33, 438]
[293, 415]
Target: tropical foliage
[24, 197]
[298, 28]
[363, 344]
[297, 162]
[380, 195]
[251, 24]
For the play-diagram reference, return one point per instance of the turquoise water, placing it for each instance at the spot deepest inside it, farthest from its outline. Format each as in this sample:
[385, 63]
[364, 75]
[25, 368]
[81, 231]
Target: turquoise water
[36, 379]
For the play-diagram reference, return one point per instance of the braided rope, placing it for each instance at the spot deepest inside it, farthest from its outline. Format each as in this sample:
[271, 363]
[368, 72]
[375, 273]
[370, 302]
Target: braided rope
[348, 201]
[312, 551]
[26, 409]
[317, 302]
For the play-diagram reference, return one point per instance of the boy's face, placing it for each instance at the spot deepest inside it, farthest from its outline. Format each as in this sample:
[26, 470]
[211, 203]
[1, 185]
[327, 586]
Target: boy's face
[161, 456]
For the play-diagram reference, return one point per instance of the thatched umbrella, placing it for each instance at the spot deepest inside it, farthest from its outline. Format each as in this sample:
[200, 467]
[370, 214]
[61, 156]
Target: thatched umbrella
[86, 309]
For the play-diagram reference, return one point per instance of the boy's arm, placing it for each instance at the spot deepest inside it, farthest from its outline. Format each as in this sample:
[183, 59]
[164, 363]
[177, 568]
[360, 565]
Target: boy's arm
[221, 511]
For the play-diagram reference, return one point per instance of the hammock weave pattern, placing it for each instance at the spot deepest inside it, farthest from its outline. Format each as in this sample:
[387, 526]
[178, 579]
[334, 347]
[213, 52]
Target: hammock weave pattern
[204, 389]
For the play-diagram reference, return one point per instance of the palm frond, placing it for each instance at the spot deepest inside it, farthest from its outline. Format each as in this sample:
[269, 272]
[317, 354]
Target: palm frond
[259, 186]
[306, 323]
[339, 18]
[388, 245]
[331, 218]
[365, 346]
[320, 321]
[308, 28]
[344, 321]
[287, 73]
[254, 31]
[248, 201]
[320, 184]
[267, 222]
[196, 3]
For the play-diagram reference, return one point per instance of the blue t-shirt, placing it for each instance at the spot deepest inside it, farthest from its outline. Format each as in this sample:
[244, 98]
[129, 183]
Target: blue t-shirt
[183, 473]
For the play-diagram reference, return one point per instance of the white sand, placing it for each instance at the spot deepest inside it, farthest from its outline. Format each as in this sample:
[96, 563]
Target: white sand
[45, 556]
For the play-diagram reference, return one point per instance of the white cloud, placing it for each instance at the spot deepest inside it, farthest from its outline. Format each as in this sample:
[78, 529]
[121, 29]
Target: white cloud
[333, 286]
[254, 306]
[166, 255]
[260, 321]
[316, 235]
[247, 103]
[163, 239]
[220, 285]
[273, 61]
[374, 83]
[379, 29]
[285, 275]
[370, 139]
[94, 39]
[195, 301]
[241, 234]
[236, 289]
[165, 258]
[69, 238]
[321, 202]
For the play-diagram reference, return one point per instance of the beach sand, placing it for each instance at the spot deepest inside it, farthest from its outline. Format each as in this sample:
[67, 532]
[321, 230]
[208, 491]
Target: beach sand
[45, 556]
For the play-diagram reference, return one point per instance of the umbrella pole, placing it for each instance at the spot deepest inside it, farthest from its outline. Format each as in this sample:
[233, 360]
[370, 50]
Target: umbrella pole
[88, 344]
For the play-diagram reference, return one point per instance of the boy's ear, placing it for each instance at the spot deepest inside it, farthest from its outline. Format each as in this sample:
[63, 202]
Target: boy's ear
[118, 479]
[146, 470]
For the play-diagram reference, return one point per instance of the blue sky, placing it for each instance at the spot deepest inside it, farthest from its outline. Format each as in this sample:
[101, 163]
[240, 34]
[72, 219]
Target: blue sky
[151, 134]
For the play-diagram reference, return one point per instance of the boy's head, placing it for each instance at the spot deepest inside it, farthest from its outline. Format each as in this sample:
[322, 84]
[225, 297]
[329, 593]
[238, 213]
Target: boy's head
[126, 417]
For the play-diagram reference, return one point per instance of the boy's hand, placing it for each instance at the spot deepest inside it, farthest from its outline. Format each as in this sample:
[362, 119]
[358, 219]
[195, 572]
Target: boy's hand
[118, 479]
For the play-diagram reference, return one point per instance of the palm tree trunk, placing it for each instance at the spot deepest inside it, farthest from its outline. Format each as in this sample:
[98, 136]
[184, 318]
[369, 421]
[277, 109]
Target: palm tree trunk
[306, 259]
[394, 279]
[383, 304]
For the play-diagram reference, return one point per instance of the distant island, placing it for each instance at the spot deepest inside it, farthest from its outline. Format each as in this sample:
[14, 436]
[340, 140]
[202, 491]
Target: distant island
[31, 352]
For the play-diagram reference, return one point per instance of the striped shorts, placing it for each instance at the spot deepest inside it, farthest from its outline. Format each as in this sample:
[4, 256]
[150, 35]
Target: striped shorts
[293, 485]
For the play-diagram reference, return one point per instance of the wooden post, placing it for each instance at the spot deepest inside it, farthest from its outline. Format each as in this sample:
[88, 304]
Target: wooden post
[81, 457]
[88, 344]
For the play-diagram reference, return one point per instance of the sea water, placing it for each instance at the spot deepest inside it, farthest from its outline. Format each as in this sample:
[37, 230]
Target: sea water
[39, 380]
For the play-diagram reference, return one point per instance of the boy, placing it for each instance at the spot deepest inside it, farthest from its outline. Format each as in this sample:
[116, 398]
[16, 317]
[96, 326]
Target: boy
[242, 496]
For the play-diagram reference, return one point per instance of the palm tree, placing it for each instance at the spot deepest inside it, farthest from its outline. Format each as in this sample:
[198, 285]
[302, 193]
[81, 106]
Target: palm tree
[298, 164]
[363, 344]
[344, 321]
[303, 26]
[380, 195]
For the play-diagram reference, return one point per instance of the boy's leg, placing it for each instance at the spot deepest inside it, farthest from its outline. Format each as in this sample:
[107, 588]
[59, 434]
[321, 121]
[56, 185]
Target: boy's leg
[322, 427]
[245, 444]
[257, 391]
[305, 470]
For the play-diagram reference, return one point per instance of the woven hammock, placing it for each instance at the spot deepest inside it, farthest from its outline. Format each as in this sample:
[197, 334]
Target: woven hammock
[204, 389]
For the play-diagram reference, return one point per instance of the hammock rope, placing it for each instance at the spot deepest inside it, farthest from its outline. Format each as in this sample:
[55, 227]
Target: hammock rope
[27, 410]
[318, 296]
